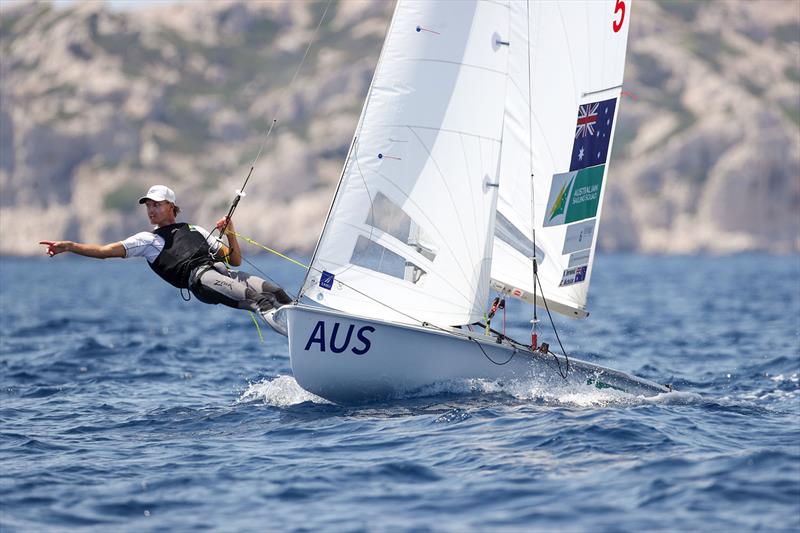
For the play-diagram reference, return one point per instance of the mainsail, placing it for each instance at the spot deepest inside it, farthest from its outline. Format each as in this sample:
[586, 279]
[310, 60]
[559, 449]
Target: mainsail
[409, 234]
[487, 124]
[566, 66]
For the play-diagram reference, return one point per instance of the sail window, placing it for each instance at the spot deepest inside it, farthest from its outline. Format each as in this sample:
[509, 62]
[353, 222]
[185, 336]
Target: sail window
[373, 256]
[390, 218]
[507, 232]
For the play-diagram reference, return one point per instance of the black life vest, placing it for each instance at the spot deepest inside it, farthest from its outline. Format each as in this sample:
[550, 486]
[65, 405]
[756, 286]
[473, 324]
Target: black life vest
[184, 250]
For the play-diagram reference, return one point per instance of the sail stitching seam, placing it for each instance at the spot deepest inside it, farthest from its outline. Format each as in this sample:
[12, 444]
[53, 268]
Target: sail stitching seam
[430, 128]
[449, 62]
[452, 202]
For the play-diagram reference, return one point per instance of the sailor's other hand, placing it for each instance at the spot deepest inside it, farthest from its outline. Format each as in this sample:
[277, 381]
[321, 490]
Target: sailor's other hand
[56, 247]
[225, 222]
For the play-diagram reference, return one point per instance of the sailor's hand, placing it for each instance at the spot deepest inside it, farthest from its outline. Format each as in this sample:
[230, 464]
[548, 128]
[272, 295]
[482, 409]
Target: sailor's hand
[225, 222]
[56, 247]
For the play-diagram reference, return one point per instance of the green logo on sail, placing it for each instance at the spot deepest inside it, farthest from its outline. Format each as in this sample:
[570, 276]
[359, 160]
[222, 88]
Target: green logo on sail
[561, 201]
[574, 196]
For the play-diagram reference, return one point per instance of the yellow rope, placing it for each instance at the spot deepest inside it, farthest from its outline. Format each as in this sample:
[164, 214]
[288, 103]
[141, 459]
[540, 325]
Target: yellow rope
[270, 250]
[258, 329]
[251, 241]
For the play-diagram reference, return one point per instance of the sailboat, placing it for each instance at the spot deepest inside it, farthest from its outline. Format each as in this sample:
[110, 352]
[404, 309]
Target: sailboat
[477, 167]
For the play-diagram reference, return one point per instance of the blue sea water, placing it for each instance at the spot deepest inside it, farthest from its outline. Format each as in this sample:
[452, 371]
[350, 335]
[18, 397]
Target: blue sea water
[123, 408]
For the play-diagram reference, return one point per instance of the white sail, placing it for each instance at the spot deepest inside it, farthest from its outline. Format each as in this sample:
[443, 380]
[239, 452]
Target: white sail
[419, 209]
[409, 235]
[565, 76]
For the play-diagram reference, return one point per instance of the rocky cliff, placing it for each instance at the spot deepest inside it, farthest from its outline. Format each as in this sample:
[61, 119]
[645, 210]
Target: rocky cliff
[96, 104]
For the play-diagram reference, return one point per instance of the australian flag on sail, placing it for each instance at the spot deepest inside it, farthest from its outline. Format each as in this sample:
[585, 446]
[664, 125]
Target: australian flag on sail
[593, 134]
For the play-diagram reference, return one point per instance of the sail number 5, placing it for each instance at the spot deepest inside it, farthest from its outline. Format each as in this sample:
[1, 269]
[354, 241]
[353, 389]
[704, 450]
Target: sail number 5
[617, 25]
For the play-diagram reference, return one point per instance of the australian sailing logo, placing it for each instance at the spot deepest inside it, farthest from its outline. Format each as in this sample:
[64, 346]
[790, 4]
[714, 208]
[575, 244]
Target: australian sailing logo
[574, 196]
[560, 202]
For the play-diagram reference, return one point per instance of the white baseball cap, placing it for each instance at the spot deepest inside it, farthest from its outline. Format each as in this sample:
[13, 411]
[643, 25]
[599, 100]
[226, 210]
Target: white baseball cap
[158, 193]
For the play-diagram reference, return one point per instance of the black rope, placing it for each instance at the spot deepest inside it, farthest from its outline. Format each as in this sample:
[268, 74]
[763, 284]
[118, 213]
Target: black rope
[503, 337]
[513, 353]
[555, 330]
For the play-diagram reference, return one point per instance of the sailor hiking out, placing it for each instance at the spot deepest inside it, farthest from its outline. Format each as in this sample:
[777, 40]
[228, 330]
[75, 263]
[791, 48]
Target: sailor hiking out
[187, 257]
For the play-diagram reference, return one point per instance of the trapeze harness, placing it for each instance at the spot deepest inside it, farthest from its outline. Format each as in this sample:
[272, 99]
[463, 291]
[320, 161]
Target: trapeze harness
[185, 263]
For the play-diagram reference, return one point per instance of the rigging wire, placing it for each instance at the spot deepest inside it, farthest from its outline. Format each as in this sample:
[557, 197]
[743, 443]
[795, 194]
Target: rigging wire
[240, 192]
[267, 276]
[534, 265]
[558, 338]
[537, 282]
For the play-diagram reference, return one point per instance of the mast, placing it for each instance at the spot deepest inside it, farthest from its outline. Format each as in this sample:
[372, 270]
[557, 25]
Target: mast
[534, 269]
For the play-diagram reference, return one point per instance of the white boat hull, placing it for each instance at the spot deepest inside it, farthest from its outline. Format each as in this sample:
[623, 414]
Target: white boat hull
[348, 359]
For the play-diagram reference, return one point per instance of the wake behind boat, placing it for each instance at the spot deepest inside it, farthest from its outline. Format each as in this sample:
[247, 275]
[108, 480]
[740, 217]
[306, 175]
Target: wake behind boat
[478, 165]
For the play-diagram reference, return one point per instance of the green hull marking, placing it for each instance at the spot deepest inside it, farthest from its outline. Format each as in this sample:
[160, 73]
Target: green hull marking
[602, 385]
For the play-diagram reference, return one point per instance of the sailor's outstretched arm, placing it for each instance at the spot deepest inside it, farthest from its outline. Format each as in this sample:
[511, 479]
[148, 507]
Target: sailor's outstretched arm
[232, 251]
[98, 251]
